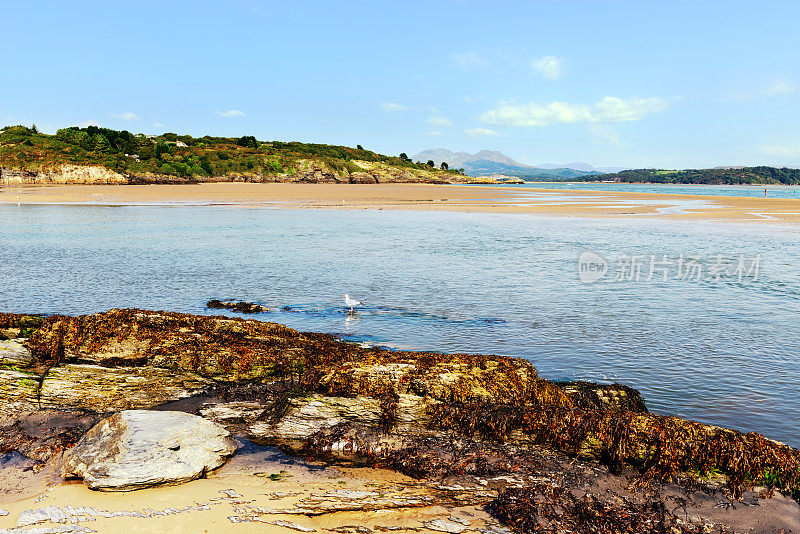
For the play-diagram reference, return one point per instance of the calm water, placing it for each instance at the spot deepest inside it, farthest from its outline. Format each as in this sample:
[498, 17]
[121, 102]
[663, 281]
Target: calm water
[773, 191]
[723, 351]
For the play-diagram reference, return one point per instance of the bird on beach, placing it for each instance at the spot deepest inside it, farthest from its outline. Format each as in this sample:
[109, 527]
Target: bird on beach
[351, 303]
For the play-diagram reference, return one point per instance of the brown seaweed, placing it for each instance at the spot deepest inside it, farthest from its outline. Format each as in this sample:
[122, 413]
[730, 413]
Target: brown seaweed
[478, 396]
[547, 508]
[663, 448]
[241, 307]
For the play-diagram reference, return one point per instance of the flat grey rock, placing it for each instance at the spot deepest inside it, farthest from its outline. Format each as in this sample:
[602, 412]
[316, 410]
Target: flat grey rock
[14, 352]
[137, 449]
[443, 525]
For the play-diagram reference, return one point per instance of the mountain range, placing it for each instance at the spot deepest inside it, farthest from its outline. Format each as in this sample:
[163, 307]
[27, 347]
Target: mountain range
[488, 162]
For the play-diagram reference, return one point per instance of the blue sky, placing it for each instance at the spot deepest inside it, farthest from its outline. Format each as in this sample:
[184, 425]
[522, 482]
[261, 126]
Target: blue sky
[668, 84]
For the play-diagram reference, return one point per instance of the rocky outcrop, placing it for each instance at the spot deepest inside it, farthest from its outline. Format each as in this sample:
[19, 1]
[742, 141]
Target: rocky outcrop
[104, 389]
[42, 435]
[232, 305]
[19, 391]
[137, 449]
[306, 171]
[421, 413]
[65, 174]
[233, 350]
[13, 352]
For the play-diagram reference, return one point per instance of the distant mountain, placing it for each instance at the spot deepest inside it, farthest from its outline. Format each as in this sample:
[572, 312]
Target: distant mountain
[577, 165]
[527, 173]
[580, 166]
[611, 169]
[489, 162]
[459, 159]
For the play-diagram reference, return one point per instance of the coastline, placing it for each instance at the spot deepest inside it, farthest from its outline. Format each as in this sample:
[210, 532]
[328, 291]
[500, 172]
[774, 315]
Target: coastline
[393, 441]
[425, 197]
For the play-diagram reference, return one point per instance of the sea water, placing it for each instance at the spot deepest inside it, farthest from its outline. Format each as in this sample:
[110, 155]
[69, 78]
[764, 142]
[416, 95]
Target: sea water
[718, 349]
[773, 191]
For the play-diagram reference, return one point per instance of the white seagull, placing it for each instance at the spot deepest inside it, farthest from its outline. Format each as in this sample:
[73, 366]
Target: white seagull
[351, 303]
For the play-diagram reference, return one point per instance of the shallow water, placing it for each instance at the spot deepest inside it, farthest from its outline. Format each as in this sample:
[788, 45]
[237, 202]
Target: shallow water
[773, 191]
[721, 351]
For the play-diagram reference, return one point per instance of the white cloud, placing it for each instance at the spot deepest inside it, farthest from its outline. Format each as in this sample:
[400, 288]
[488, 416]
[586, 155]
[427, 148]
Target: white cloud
[391, 107]
[127, 116]
[610, 109]
[230, 114]
[549, 67]
[781, 151]
[435, 132]
[776, 88]
[613, 109]
[440, 121]
[469, 60]
[605, 134]
[780, 87]
[158, 125]
[479, 132]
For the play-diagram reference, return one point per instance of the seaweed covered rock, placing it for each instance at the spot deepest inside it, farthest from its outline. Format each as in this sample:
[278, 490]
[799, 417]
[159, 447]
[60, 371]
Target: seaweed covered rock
[661, 447]
[537, 491]
[545, 508]
[241, 307]
[137, 449]
[616, 396]
[233, 349]
[19, 391]
[43, 434]
[103, 389]
[279, 386]
[19, 324]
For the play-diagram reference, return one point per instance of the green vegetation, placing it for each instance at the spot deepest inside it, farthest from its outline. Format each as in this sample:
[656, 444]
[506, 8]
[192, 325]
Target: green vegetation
[26, 324]
[732, 176]
[275, 477]
[529, 174]
[183, 157]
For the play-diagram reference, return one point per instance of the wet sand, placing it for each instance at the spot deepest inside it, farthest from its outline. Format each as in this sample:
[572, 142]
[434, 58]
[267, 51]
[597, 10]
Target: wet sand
[426, 197]
[248, 494]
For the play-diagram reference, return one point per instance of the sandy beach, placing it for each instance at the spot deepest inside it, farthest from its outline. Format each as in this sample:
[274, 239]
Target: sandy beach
[261, 489]
[419, 197]
[258, 490]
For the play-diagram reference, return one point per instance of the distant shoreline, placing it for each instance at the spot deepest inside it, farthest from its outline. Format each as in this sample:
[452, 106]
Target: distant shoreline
[610, 182]
[421, 197]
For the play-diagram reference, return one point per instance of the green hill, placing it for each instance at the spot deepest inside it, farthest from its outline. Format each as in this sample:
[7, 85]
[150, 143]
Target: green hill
[720, 176]
[169, 158]
[527, 173]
